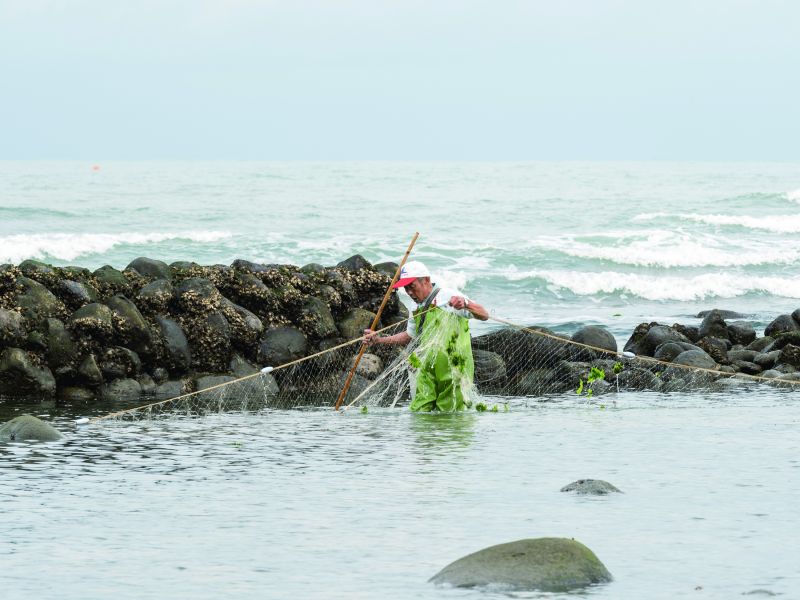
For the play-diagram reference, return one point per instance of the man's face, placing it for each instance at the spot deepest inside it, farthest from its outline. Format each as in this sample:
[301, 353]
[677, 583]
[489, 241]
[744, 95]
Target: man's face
[419, 289]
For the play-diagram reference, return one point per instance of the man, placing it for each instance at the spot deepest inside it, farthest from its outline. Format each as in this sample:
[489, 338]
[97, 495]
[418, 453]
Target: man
[440, 325]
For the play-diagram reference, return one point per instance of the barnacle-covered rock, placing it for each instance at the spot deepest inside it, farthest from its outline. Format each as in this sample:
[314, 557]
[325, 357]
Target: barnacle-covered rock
[197, 296]
[74, 293]
[155, 297]
[282, 345]
[131, 325]
[36, 302]
[316, 320]
[353, 324]
[179, 356]
[93, 320]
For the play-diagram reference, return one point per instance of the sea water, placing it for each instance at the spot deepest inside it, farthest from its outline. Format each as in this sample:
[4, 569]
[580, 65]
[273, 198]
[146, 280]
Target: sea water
[315, 504]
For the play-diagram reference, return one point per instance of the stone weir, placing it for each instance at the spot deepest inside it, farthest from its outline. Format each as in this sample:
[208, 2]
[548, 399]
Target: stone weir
[154, 329]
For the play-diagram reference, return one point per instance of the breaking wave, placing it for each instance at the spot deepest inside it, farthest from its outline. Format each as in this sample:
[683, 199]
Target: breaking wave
[774, 223]
[659, 287]
[68, 246]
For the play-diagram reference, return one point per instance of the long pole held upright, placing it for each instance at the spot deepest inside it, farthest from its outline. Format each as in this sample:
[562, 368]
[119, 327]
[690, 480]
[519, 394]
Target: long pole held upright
[375, 322]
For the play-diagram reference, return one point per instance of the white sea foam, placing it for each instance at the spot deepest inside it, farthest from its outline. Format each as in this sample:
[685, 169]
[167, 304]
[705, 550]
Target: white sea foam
[794, 196]
[774, 223]
[660, 287]
[67, 246]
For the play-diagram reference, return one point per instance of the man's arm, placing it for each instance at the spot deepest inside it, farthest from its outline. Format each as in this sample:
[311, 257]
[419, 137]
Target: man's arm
[477, 310]
[398, 339]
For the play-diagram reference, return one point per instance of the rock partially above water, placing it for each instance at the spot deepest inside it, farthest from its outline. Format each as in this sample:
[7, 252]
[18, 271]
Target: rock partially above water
[596, 487]
[28, 427]
[545, 564]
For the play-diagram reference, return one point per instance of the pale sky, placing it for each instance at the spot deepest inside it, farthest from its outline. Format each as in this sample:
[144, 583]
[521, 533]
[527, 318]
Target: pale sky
[406, 80]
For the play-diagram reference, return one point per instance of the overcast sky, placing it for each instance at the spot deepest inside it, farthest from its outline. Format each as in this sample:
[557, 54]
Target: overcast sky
[409, 79]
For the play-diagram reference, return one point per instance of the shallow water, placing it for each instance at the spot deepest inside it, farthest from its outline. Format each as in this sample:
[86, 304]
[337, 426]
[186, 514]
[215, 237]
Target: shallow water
[314, 504]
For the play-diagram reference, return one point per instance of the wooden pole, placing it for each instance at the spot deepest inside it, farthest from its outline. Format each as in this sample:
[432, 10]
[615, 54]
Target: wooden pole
[375, 322]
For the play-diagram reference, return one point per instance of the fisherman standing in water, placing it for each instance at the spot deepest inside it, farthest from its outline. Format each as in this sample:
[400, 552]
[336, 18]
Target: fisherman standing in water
[440, 324]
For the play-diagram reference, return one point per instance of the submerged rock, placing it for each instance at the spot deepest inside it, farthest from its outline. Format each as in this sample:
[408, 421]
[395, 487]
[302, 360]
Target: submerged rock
[28, 427]
[544, 564]
[595, 487]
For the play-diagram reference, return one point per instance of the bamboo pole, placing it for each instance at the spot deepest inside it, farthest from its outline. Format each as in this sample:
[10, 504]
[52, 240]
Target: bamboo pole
[375, 322]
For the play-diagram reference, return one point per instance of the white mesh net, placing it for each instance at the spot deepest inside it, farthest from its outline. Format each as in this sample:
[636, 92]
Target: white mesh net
[510, 362]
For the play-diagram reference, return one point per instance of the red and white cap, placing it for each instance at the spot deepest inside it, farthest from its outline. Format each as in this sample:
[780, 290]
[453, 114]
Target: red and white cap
[411, 271]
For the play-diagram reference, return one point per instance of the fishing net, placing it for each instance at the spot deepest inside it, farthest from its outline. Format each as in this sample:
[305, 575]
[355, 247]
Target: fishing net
[512, 361]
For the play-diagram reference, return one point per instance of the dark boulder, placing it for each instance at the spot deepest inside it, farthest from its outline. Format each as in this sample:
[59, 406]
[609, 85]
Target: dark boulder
[782, 324]
[281, 345]
[544, 564]
[724, 314]
[61, 349]
[28, 428]
[525, 349]
[716, 348]
[119, 363]
[21, 377]
[75, 294]
[767, 360]
[353, 323]
[790, 355]
[713, 325]
[312, 269]
[594, 487]
[696, 359]
[120, 390]
[246, 327]
[152, 269]
[759, 344]
[110, 281]
[179, 356]
[657, 335]
[746, 367]
[89, 371]
[130, 324]
[669, 351]
[245, 265]
[692, 333]
[75, 394]
[596, 337]
[387, 268]
[490, 369]
[355, 263]
[741, 332]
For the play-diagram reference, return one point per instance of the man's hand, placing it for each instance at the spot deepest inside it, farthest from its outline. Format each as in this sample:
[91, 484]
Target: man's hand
[458, 302]
[370, 337]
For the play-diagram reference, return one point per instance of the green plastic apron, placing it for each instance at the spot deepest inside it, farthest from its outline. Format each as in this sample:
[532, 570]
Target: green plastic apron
[446, 368]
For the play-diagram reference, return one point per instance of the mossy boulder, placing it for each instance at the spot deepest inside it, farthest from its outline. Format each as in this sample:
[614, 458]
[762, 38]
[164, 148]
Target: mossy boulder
[593, 487]
[21, 377]
[12, 328]
[110, 281]
[542, 564]
[89, 371]
[28, 428]
[61, 349]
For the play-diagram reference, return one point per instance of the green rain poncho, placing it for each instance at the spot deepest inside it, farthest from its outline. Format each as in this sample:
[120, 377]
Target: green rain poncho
[443, 361]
